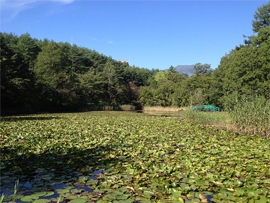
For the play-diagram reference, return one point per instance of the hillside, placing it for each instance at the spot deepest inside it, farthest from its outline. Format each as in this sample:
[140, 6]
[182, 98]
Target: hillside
[185, 69]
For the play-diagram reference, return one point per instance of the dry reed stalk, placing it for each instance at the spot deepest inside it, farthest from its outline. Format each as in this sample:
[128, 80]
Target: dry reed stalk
[161, 109]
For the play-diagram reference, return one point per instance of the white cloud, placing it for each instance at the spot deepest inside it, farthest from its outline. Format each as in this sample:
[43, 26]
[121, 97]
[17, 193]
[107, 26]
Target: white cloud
[22, 3]
[16, 6]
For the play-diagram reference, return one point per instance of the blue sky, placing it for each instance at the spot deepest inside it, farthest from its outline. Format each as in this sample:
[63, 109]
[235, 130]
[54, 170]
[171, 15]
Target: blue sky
[149, 34]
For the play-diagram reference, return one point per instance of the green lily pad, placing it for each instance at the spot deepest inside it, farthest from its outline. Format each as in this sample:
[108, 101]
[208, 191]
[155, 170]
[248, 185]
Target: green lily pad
[131, 160]
[78, 200]
[27, 199]
[41, 201]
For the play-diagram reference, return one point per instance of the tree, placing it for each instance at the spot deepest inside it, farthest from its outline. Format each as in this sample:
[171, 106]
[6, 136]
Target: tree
[262, 37]
[55, 78]
[181, 94]
[245, 71]
[17, 81]
[164, 93]
[162, 87]
[28, 49]
[197, 86]
[202, 69]
[172, 69]
[112, 82]
[92, 87]
[50, 62]
[80, 59]
[261, 17]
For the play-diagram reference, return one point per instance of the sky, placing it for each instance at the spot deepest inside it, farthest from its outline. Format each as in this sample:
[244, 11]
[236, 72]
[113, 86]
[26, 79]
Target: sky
[153, 34]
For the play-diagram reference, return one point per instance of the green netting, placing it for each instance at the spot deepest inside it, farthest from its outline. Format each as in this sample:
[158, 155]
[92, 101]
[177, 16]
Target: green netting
[205, 108]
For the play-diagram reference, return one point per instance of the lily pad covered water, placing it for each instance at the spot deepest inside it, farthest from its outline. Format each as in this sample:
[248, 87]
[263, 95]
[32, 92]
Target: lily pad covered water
[129, 157]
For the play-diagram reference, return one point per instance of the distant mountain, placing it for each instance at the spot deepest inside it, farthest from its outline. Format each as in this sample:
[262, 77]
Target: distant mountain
[185, 69]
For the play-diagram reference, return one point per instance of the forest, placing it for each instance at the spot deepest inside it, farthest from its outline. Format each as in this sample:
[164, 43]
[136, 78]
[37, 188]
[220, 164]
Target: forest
[48, 76]
[50, 154]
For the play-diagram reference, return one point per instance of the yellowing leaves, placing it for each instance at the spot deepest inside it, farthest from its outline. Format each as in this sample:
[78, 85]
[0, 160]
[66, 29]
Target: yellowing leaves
[111, 156]
[154, 159]
[180, 200]
[203, 198]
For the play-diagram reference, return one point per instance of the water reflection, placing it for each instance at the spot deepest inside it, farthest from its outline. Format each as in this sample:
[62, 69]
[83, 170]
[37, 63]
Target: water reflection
[45, 181]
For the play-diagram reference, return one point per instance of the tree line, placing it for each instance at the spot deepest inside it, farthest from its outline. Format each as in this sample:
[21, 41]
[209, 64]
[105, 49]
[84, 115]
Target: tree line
[44, 75]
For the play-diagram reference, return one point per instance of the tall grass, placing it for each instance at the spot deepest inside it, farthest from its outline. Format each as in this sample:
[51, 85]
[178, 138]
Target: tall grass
[159, 110]
[219, 119]
[248, 116]
[16, 187]
[252, 116]
[127, 107]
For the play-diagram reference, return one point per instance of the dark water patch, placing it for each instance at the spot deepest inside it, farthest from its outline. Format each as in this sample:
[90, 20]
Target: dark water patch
[29, 118]
[47, 185]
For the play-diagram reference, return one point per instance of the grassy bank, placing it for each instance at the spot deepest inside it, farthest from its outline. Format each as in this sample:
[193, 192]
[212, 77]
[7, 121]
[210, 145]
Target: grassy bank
[249, 116]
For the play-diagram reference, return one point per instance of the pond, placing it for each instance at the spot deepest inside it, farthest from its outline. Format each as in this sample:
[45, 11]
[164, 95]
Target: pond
[48, 186]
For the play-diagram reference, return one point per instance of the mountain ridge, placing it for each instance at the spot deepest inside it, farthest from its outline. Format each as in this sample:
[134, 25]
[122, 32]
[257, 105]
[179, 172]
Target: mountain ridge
[185, 69]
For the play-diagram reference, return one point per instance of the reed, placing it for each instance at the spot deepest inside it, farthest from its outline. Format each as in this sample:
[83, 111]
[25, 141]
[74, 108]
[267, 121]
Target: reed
[219, 119]
[252, 116]
[248, 116]
[16, 187]
[153, 109]
[2, 198]
[127, 107]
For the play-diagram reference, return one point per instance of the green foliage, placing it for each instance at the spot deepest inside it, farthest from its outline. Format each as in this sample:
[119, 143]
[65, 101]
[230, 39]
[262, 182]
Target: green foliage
[91, 86]
[17, 79]
[51, 62]
[252, 116]
[129, 157]
[245, 71]
[162, 90]
[50, 76]
[261, 17]
[112, 85]
[43, 75]
[202, 69]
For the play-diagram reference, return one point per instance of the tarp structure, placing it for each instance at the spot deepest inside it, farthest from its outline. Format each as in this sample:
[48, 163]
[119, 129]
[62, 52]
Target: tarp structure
[205, 108]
